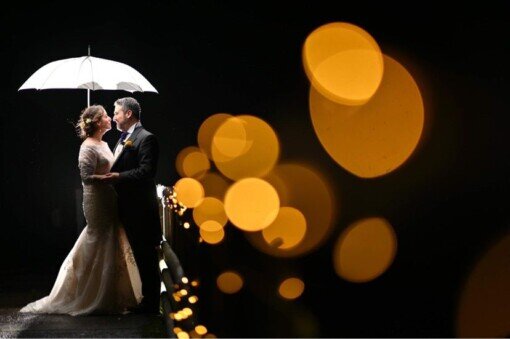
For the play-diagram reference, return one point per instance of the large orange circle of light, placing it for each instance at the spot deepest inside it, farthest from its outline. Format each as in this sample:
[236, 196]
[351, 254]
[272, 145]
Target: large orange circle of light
[287, 230]
[376, 138]
[230, 140]
[343, 62]
[207, 130]
[189, 192]
[195, 165]
[303, 188]
[365, 250]
[252, 204]
[192, 162]
[210, 209]
[212, 237]
[257, 153]
[484, 310]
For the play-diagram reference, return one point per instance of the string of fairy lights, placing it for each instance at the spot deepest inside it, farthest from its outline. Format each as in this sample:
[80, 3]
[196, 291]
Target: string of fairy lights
[179, 297]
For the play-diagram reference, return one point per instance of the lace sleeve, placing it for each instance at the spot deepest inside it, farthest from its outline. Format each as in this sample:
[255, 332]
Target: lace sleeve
[87, 162]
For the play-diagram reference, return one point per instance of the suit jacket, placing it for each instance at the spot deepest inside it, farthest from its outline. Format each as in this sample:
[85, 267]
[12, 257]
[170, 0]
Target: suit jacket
[136, 189]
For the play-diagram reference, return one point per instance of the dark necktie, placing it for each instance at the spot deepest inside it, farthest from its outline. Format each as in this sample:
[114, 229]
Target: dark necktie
[123, 136]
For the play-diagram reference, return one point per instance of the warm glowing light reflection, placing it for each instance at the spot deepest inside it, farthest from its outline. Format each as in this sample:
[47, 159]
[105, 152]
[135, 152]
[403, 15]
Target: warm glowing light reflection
[211, 226]
[291, 288]
[230, 140]
[208, 129]
[215, 185]
[189, 192]
[306, 190]
[343, 62]
[378, 137]
[201, 329]
[365, 250]
[252, 204]
[182, 335]
[209, 211]
[259, 152]
[229, 282]
[212, 237]
[195, 165]
[192, 162]
[193, 299]
[287, 230]
[484, 310]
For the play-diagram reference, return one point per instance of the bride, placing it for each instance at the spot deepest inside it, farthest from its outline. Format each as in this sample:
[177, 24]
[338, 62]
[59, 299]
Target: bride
[99, 274]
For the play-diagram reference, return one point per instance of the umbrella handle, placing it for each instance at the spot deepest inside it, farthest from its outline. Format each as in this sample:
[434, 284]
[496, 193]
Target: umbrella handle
[88, 90]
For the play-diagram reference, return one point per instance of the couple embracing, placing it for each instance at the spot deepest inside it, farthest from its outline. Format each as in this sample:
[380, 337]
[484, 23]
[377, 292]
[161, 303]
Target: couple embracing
[113, 266]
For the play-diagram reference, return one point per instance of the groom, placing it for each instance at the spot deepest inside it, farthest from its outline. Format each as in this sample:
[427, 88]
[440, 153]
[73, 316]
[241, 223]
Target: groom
[132, 174]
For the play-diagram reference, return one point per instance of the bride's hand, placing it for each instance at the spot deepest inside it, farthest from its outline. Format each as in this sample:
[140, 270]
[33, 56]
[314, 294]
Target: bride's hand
[98, 177]
[110, 178]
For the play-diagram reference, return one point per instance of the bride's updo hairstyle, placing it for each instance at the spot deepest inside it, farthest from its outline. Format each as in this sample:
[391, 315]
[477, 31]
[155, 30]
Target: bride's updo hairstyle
[87, 124]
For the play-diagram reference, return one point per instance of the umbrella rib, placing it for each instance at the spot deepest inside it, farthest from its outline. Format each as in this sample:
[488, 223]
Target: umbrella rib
[133, 78]
[53, 71]
[91, 70]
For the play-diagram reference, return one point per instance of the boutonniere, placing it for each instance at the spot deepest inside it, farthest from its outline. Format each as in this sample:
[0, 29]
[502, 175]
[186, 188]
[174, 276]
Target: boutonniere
[128, 143]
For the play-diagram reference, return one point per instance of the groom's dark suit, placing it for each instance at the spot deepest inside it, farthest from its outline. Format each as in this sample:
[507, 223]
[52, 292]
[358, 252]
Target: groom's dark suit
[138, 206]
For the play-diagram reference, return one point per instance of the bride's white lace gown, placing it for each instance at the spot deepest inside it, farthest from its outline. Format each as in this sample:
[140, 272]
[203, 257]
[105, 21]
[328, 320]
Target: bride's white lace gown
[99, 274]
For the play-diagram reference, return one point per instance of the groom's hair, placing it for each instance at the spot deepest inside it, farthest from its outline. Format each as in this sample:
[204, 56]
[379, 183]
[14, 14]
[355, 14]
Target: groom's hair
[129, 103]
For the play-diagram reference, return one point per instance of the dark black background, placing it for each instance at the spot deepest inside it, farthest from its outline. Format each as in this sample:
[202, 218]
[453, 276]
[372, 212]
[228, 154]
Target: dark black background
[448, 203]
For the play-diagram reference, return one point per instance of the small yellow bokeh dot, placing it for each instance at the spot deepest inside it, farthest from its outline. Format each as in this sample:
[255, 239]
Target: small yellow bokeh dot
[201, 329]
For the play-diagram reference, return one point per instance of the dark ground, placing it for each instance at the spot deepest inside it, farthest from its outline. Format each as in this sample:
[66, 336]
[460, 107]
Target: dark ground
[23, 287]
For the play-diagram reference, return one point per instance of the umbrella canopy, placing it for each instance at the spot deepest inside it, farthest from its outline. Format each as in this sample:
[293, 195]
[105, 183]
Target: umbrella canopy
[89, 73]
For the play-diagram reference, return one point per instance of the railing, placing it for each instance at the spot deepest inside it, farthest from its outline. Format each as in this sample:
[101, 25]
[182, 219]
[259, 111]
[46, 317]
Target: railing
[178, 299]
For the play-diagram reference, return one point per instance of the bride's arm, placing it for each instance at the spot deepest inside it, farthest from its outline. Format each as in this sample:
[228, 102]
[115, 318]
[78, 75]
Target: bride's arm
[87, 162]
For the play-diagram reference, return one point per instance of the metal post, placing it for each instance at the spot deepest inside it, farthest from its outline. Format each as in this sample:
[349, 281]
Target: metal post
[88, 90]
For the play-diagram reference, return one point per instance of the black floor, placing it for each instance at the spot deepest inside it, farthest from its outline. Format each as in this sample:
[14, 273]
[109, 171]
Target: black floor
[19, 288]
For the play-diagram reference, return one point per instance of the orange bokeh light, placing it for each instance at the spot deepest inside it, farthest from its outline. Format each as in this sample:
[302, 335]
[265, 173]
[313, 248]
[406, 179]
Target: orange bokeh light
[208, 129]
[257, 153]
[287, 230]
[212, 238]
[343, 62]
[376, 138]
[210, 209]
[484, 309]
[301, 187]
[291, 288]
[252, 204]
[229, 282]
[365, 250]
[189, 192]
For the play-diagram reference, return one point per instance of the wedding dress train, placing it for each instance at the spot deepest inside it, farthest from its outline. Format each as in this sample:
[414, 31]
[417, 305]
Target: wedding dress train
[99, 274]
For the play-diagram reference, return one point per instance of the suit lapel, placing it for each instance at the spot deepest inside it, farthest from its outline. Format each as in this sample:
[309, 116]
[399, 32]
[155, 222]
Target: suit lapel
[132, 138]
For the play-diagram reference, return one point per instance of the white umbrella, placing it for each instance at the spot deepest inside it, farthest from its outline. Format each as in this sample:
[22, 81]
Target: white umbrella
[88, 73]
